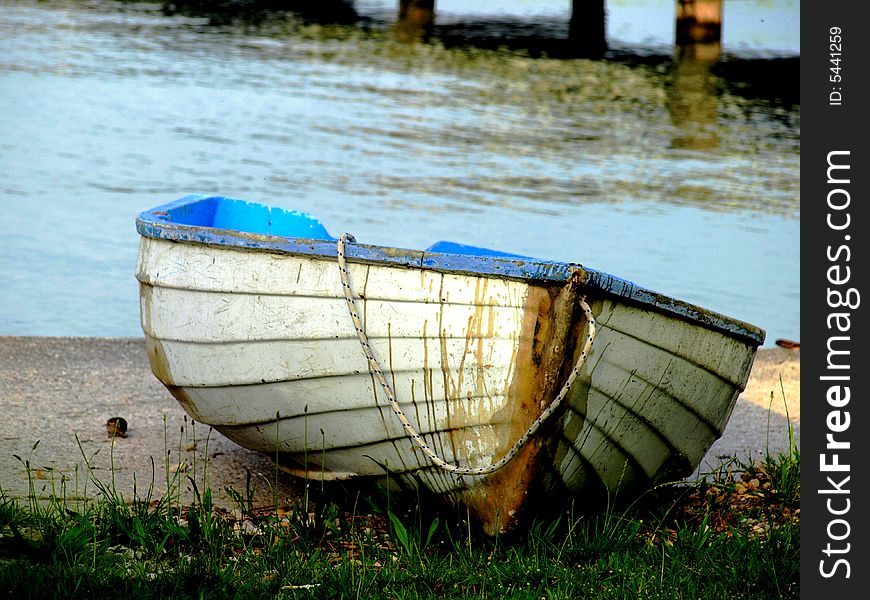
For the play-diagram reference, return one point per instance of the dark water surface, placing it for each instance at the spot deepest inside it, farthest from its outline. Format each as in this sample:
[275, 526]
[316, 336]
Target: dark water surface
[681, 175]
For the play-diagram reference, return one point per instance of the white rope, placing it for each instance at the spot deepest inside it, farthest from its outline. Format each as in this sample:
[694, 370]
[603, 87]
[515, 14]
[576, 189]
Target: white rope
[427, 450]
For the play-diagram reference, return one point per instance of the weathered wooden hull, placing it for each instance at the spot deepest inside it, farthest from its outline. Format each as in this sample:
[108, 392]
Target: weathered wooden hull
[253, 338]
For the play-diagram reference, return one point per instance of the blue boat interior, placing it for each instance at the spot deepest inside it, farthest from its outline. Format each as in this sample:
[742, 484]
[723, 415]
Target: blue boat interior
[238, 215]
[454, 248]
[250, 217]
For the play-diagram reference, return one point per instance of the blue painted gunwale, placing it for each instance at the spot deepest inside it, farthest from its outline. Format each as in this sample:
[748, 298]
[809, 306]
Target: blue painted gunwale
[166, 222]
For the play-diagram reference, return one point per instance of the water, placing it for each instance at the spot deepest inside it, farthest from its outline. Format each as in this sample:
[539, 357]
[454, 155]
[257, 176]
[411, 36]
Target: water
[681, 176]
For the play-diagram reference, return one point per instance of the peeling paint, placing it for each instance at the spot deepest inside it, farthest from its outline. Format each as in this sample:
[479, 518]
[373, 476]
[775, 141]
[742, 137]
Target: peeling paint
[230, 321]
[545, 339]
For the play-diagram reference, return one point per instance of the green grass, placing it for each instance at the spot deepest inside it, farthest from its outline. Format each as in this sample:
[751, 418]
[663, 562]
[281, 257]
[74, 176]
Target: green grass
[730, 536]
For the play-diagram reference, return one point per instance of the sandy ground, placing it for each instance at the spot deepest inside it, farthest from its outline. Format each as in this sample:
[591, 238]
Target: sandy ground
[60, 392]
[57, 393]
[758, 423]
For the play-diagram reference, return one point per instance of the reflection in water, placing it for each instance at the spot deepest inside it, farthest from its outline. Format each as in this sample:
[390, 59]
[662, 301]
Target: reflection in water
[693, 97]
[418, 12]
[415, 20]
[257, 12]
[661, 168]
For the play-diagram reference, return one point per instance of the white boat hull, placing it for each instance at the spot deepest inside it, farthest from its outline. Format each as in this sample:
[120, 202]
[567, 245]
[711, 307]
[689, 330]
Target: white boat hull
[260, 346]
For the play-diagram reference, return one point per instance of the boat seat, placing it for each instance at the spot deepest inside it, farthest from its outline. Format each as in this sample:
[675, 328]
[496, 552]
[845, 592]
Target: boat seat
[445, 247]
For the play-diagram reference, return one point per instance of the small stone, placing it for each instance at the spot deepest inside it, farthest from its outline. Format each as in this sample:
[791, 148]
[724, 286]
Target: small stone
[246, 527]
[116, 427]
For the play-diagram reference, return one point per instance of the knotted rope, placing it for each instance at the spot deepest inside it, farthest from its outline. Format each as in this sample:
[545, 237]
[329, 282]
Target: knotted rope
[391, 396]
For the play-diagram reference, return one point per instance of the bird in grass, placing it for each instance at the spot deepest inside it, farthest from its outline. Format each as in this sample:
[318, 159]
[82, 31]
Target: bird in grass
[117, 426]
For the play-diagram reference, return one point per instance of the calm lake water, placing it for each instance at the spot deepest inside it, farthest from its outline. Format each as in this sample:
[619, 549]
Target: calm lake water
[681, 175]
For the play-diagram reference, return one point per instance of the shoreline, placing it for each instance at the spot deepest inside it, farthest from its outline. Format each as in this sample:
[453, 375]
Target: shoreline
[58, 392]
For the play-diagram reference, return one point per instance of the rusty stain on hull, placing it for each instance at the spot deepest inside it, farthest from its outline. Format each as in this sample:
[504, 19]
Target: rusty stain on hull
[234, 333]
[466, 440]
[157, 359]
[501, 350]
[546, 338]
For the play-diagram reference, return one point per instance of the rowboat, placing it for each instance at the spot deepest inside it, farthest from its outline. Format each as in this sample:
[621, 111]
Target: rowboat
[491, 379]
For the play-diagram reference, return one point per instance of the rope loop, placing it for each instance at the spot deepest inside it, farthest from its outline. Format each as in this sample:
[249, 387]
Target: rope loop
[375, 367]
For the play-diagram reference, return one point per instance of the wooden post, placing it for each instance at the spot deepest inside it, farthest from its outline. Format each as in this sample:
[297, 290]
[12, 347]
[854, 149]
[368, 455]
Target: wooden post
[588, 31]
[416, 18]
[698, 21]
[693, 99]
[421, 12]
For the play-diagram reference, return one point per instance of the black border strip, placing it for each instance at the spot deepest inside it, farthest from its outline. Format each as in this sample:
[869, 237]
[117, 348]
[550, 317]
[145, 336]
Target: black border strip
[834, 223]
